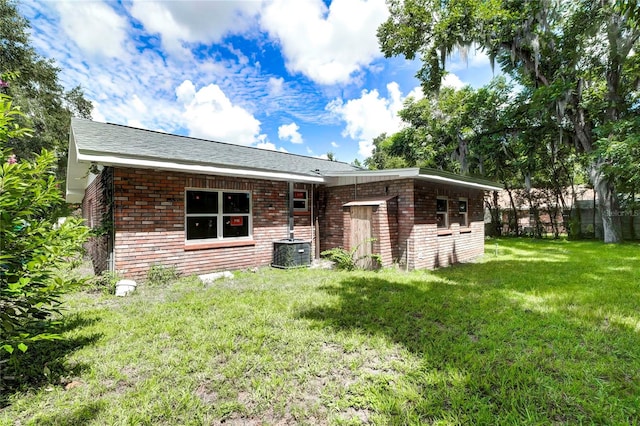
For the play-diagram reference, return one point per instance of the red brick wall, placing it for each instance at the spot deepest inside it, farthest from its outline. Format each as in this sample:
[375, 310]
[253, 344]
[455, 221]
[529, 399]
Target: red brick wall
[385, 230]
[334, 220]
[149, 222]
[436, 247]
[410, 234]
[94, 208]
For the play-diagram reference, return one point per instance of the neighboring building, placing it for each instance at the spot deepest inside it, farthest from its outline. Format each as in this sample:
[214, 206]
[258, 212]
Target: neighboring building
[552, 214]
[204, 206]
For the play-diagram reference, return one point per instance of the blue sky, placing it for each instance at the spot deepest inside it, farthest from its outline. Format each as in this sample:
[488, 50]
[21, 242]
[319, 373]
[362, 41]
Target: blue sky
[302, 76]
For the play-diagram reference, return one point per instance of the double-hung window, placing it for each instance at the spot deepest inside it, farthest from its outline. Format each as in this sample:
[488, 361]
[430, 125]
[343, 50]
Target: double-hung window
[442, 212]
[217, 214]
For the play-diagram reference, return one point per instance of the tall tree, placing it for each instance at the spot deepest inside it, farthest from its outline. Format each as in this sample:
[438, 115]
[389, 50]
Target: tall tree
[36, 90]
[577, 58]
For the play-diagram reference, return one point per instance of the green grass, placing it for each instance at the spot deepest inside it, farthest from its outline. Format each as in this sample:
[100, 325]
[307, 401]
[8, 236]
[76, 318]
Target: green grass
[538, 332]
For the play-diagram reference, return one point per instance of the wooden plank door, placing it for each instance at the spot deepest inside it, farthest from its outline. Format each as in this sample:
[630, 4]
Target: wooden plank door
[361, 235]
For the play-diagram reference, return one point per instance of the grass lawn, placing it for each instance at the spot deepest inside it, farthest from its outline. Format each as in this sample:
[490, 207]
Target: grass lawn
[537, 332]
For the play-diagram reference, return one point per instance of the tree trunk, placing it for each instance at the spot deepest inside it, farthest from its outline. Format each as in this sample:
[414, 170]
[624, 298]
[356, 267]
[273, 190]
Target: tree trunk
[513, 225]
[632, 228]
[603, 187]
[607, 204]
[494, 210]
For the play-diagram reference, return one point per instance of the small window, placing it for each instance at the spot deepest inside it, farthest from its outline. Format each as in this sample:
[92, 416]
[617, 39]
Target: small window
[462, 212]
[202, 202]
[202, 227]
[442, 212]
[300, 200]
[235, 202]
[217, 214]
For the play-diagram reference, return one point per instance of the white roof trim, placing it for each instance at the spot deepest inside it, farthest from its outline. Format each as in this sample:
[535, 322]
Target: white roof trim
[193, 168]
[451, 181]
[413, 173]
[79, 164]
[386, 172]
[77, 173]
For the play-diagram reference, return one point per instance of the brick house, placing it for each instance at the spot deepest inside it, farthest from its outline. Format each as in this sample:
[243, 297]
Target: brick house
[203, 206]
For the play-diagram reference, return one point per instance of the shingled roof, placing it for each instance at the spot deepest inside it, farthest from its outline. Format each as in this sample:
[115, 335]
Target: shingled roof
[91, 142]
[94, 143]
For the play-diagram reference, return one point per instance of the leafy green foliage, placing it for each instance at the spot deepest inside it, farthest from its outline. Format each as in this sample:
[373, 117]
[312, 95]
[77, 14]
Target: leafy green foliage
[105, 282]
[38, 92]
[162, 275]
[33, 246]
[576, 62]
[347, 260]
[620, 149]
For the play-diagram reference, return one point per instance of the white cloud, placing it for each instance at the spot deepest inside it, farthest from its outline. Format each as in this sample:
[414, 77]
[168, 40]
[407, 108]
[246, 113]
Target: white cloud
[209, 114]
[290, 132]
[370, 115]
[275, 86]
[138, 104]
[94, 26]
[452, 80]
[467, 58]
[96, 113]
[334, 144]
[416, 93]
[180, 22]
[266, 145]
[135, 123]
[326, 45]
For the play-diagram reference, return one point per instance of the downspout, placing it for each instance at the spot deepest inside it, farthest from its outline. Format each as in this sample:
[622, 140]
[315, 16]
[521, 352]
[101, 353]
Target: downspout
[355, 189]
[111, 244]
[291, 217]
[314, 238]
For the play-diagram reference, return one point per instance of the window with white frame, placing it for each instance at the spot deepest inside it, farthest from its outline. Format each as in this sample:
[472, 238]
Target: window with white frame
[217, 214]
[463, 212]
[442, 212]
[300, 200]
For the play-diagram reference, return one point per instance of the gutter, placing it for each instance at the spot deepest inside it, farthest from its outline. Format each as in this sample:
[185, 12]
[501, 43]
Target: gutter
[188, 168]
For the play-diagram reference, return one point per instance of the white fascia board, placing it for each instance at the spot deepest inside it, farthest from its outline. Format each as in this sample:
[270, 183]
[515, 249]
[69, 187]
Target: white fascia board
[409, 172]
[193, 168]
[77, 173]
[74, 195]
[450, 181]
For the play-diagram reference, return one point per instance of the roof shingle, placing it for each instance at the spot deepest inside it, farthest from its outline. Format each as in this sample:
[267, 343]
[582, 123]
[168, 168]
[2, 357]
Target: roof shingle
[105, 139]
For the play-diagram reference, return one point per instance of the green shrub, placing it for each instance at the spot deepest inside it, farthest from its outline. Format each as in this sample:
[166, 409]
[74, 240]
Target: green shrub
[106, 282]
[575, 229]
[33, 247]
[162, 275]
[346, 260]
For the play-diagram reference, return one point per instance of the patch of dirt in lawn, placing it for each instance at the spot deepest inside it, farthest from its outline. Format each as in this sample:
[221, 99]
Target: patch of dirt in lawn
[122, 386]
[206, 394]
[267, 419]
[355, 414]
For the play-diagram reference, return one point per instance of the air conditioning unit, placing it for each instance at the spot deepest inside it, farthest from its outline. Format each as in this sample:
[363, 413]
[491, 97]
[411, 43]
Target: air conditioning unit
[291, 253]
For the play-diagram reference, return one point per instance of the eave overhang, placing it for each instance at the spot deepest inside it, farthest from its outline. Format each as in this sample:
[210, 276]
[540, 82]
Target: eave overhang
[79, 174]
[435, 176]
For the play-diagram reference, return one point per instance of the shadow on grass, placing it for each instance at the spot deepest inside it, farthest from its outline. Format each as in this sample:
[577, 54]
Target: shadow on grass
[79, 417]
[26, 371]
[498, 342]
